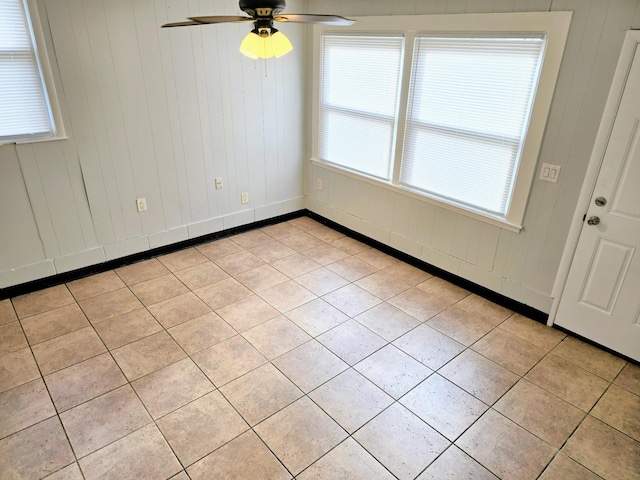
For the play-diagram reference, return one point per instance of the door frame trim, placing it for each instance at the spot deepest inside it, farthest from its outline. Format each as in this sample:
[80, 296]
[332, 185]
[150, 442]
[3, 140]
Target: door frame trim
[630, 46]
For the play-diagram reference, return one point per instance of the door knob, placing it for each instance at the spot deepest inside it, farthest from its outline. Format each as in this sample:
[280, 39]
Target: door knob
[593, 220]
[601, 201]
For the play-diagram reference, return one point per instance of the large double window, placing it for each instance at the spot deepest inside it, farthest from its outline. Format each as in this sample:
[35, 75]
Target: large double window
[26, 114]
[449, 107]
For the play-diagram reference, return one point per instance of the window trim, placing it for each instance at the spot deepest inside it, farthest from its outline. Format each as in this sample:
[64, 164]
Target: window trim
[554, 25]
[46, 74]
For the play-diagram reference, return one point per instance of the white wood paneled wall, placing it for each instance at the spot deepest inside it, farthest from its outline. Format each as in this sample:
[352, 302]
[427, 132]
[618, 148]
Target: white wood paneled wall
[521, 266]
[153, 113]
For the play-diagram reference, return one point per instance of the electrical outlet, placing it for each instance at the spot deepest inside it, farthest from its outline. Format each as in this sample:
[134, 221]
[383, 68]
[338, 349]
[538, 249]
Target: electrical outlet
[319, 184]
[141, 204]
[244, 197]
[549, 173]
[218, 183]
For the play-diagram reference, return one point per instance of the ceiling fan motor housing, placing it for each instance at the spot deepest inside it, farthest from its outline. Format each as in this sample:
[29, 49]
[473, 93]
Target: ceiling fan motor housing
[262, 8]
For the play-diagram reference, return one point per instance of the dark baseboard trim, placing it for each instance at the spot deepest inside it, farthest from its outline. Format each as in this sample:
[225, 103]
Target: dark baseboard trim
[60, 278]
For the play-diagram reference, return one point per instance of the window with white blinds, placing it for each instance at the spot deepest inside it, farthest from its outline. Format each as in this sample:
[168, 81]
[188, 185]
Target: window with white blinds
[25, 112]
[469, 106]
[359, 92]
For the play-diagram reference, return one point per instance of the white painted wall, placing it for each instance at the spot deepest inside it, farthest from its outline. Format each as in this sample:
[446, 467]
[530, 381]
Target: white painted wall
[522, 265]
[154, 113]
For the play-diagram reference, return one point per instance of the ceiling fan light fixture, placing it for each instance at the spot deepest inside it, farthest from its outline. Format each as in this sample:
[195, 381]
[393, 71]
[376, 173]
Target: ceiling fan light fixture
[257, 44]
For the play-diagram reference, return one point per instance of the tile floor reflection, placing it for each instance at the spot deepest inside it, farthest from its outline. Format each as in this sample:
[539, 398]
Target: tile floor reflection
[293, 351]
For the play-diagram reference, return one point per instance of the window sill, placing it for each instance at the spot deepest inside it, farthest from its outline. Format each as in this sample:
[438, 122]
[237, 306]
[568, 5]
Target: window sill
[38, 140]
[496, 221]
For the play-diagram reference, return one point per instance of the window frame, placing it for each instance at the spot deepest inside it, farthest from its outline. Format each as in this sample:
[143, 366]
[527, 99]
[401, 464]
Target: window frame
[46, 75]
[553, 25]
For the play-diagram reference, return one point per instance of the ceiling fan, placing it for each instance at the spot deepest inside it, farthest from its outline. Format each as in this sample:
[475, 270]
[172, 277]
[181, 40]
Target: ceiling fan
[265, 41]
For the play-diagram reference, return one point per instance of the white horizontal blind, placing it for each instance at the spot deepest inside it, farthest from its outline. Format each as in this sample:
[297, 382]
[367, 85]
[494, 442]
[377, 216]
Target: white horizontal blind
[359, 89]
[24, 107]
[468, 111]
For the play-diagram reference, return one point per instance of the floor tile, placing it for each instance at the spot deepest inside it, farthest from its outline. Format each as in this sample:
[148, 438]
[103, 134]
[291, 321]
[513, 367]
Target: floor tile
[141, 271]
[604, 451]
[347, 460]
[295, 265]
[393, 371]
[142, 455]
[387, 321]
[444, 406]
[350, 399]
[629, 378]
[42, 301]
[67, 350]
[301, 242]
[287, 296]
[182, 259]
[70, 472]
[17, 368]
[276, 336]
[243, 457]
[497, 443]
[250, 239]
[300, 434]
[228, 360]
[326, 234]
[7, 313]
[377, 258]
[219, 248]
[352, 269]
[317, 317]
[53, 323]
[429, 346]
[418, 304]
[147, 355]
[590, 358]
[24, 406]
[271, 251]
[200, 427]
[352, 300]
[540, 412]
[321, 281]
[202, 332]
[462, 326]
[12, 338]
[95, 285]
[201, 275]
[351, 341]
[172, 387]
[261, 278]
[350, 245]
[453, 464]
[479, 376]
[569, 382]
[236, 263]
[83, 381]
[484, 309]
[281, 230]
[562, 467]
[109, 305]
[304, 223]
[127, 328]
[510, 351]
[92, 425]
[36, 451]
[382, 285]
[401, 441]
[443, 290]
[407, 273]
[260, 393]
[158, 289]
[178, 309]
[310, 365]
[222, 293]
[533, 332]
[325, 254]
[620, 409]
[247, 313]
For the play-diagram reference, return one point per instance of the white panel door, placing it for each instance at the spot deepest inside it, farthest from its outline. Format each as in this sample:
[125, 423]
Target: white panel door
[601, 299]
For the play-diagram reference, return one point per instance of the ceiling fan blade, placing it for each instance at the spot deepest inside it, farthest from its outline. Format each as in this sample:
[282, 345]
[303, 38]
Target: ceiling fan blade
[180, 24]
[309, 18]
[222, 19]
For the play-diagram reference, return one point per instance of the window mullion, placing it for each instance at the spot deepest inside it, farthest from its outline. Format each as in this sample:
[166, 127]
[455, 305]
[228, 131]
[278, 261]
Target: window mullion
[402, 105]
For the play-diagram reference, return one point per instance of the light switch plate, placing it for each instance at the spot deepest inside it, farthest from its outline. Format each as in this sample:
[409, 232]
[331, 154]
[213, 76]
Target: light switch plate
[550, 173]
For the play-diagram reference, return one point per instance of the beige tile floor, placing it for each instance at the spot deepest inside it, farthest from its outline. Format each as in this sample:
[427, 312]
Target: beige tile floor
[294, 351]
